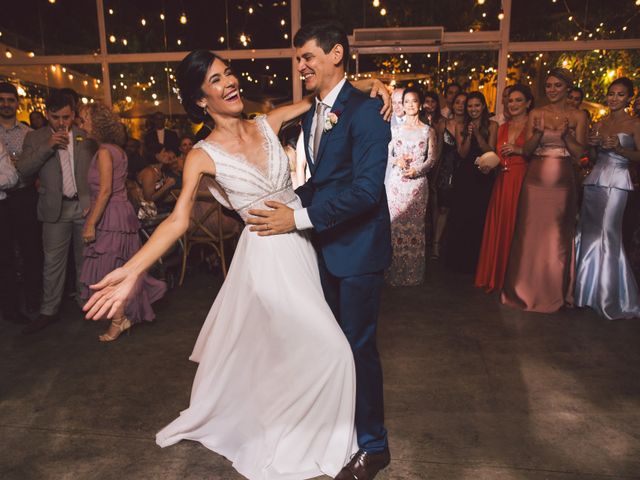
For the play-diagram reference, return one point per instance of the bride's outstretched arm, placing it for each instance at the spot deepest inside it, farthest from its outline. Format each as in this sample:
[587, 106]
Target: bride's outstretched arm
[112, 292]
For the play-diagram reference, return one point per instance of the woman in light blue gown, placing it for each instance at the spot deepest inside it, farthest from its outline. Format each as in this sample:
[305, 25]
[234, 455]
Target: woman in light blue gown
[604, 280]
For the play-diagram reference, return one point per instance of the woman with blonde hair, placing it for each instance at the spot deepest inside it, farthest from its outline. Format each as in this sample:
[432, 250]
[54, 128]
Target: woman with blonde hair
[540, 272]
[111, 227]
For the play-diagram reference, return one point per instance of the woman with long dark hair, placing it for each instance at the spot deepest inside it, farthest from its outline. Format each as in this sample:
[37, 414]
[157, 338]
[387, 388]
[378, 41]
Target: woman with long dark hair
[503, 206]
[604, 280]
[471, 186]
[446, 165]
[412, 153]
[540, 271]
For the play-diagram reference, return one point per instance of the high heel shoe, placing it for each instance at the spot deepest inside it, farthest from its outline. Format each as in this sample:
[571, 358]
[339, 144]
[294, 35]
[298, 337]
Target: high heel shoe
[122, 325]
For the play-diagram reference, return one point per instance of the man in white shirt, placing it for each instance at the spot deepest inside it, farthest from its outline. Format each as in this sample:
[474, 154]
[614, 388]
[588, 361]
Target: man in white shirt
[60, 155]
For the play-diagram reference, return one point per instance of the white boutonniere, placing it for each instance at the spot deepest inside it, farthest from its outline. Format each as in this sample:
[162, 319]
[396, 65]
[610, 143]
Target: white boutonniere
[331, 120]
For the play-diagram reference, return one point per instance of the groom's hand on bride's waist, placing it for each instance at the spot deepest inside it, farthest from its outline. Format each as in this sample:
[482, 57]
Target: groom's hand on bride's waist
[278, 220]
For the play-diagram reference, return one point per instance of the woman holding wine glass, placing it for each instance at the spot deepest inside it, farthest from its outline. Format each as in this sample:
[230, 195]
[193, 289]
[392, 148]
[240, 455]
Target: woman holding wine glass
[412, 153]
[503, 206]
[604, 280]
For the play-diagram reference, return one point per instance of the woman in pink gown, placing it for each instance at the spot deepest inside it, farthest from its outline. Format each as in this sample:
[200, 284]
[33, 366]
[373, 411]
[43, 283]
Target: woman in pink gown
[540, 272]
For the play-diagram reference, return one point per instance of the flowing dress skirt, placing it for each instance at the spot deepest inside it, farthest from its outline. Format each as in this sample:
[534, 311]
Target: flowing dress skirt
[540, 271]
[275, 387]
[604, 279]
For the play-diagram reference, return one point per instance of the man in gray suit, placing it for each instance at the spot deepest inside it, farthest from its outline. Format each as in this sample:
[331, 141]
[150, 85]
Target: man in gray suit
[60, 155]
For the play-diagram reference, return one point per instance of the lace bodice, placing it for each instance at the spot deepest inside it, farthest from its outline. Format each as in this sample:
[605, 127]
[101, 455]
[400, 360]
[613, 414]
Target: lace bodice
[245, 185]
[418, 143]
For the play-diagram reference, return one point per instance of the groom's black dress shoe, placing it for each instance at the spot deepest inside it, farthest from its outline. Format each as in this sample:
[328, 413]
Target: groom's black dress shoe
[39, 323]
[365, 466]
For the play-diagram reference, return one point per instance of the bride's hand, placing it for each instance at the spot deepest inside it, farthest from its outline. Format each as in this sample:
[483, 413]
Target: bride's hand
[110, 294]
[379, 89]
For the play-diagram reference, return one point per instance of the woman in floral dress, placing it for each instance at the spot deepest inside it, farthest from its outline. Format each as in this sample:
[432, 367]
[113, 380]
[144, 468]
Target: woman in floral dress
[412, 153]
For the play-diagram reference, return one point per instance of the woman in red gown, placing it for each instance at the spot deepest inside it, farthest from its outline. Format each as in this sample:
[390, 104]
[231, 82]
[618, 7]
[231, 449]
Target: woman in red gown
[503, 206]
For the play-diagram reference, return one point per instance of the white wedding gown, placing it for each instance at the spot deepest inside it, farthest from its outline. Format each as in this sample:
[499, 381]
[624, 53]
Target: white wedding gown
[275, 387]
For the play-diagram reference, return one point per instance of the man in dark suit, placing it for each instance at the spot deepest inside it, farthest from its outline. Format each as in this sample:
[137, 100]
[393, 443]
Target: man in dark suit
[59, 155]
[346, 141]
[161, 135]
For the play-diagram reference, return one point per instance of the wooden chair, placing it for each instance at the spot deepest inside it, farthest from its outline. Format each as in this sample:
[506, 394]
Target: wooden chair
[205, 228]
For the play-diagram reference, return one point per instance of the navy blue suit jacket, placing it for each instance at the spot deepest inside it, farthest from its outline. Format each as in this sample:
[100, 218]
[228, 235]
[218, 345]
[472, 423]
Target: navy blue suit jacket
[345, 196]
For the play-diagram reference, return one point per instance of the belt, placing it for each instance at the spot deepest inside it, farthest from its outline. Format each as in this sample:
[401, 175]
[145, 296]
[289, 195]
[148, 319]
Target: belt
[70, 199]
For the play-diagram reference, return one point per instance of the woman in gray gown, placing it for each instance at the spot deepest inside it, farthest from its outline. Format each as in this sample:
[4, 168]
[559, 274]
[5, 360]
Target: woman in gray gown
[604, 280]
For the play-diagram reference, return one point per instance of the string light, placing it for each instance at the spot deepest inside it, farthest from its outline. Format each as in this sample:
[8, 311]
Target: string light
[111, 11]
[376, 3]
[183, 19]
[162, 16]
[112, 38]
[8, 53]
[221, 39]
[143, 22]
[383, 11]
[501, 15]
[250, 10]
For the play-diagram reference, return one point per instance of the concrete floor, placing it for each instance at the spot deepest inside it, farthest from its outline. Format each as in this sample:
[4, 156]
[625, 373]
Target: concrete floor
[473, 391]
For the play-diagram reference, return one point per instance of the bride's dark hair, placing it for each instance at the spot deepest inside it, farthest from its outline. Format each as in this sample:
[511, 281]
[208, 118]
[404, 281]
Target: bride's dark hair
[190, 76]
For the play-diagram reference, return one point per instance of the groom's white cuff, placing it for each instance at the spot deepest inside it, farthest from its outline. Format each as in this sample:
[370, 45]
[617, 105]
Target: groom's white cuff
[301, 217]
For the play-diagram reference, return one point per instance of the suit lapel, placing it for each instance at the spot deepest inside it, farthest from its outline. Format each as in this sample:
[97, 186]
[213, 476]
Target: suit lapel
[338, 108]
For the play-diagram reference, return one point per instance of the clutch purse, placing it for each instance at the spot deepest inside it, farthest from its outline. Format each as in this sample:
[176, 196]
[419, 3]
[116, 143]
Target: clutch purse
[488, 160]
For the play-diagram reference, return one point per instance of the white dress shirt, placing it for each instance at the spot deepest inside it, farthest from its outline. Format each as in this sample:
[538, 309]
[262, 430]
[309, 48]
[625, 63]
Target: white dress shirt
[301, 216]
[8, 173]
[160, 134]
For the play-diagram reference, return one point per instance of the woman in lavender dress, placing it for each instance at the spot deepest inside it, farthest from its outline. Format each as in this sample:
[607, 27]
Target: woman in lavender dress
[412, 152]
[111, 228]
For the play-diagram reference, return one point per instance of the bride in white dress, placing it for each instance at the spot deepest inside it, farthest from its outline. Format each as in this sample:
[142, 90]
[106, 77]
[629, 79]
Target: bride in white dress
[275, 386]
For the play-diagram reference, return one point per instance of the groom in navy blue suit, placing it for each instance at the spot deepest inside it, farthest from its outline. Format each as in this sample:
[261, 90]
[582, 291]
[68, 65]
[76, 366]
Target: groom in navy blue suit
[346, 141]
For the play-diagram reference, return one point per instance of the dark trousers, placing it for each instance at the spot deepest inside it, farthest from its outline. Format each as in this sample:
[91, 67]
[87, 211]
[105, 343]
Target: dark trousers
[25, 231]
[8, 298]
[355, 302]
